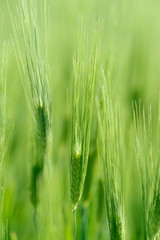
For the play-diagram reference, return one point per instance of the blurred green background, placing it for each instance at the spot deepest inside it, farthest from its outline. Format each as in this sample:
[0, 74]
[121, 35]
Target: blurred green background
[129, 48]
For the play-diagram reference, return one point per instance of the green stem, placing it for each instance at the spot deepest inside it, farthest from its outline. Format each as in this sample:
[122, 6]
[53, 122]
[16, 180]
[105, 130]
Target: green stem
[75, 224]
[35, 221]
[84, 224]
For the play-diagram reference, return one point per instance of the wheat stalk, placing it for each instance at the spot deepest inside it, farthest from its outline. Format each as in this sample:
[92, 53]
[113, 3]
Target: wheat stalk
[110, 154]
[82, 107]
[32, 61]
[2, 135]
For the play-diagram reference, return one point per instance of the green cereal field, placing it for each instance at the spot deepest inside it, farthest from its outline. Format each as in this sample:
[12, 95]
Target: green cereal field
[79, 120]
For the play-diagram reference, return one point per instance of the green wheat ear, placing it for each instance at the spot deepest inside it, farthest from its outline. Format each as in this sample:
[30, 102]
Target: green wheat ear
[31, 54]
[42, 121]
[115, 225]
[76, 179]
[85, 68]
[154, 216]
[110, 153]
[35, 177]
